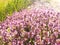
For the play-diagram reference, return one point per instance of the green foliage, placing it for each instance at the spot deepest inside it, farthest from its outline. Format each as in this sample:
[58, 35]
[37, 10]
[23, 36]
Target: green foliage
[9, 6]
[2, 15]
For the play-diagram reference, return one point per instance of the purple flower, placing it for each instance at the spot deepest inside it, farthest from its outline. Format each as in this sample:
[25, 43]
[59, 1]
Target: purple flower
[34, 26]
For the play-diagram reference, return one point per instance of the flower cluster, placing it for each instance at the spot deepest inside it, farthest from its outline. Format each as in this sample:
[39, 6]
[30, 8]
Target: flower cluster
[36, 26]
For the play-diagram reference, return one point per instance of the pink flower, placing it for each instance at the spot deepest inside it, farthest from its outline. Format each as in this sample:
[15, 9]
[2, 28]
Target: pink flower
[34, 26]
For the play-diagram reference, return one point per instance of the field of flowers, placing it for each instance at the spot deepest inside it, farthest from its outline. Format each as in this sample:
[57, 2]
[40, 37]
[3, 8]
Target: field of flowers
[35, 25]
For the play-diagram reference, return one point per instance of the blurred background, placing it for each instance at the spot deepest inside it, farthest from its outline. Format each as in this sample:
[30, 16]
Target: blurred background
[7, 7]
